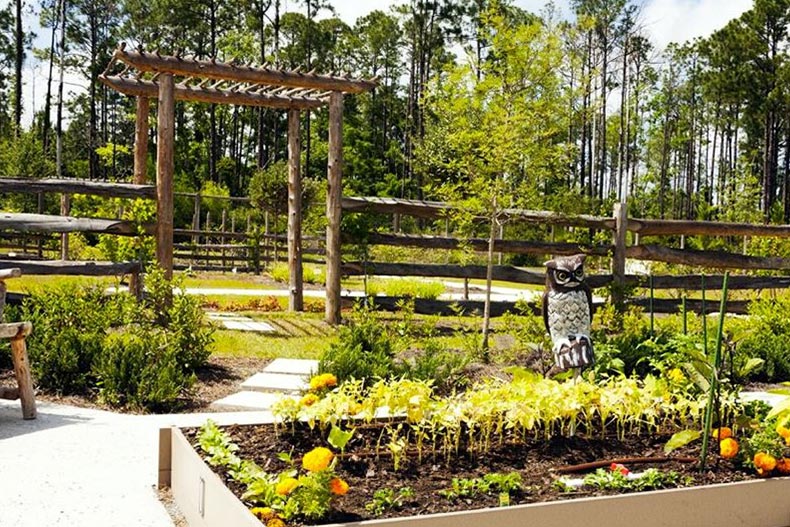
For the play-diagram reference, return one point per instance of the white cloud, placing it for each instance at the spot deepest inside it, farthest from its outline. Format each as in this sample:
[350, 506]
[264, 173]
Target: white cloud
[680, 20]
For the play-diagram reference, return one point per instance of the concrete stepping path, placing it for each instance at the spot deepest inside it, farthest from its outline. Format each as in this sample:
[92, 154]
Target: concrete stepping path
[280, 378]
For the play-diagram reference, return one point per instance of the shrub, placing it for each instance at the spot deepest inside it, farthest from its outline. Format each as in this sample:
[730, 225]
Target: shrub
[310, 275]
[407, 288]
[363, 351]
[139, 368]
[142, 355]
[445, 367]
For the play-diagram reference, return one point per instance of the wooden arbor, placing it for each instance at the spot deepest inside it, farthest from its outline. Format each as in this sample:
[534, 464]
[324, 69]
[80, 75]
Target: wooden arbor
[148, 75]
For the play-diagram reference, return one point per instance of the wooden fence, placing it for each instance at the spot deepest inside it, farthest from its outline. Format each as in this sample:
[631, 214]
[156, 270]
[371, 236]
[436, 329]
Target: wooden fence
[623, 230]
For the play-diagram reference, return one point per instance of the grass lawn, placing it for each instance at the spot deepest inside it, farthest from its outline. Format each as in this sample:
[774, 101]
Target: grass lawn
[229, 343]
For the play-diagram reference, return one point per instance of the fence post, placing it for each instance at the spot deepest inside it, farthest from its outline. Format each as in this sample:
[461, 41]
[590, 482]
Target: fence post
[618, 258]
[222, 238]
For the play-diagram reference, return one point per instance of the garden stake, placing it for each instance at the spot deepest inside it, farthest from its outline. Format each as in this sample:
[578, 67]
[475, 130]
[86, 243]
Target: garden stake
[685, 313]
[651, 305]
[714, 375]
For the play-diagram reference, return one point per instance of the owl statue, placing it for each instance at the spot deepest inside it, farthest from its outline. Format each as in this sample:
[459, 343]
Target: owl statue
[567, 312]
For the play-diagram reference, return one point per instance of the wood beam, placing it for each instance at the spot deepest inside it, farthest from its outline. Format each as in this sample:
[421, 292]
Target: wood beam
[295, 296]
[50, 223]
[141, 141]
[164, 174]
[146, 88]
[74, 268]
[68, 186]
[333, 207]
[239, 73]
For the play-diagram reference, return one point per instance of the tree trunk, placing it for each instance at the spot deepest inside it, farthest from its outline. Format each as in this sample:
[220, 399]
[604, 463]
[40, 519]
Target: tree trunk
[19, 37]
[492, 232]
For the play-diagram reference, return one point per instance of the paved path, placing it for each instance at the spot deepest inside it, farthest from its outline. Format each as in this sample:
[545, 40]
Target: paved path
[77, 467]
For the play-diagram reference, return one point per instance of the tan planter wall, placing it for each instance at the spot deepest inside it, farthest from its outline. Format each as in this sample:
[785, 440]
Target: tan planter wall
[205, 501]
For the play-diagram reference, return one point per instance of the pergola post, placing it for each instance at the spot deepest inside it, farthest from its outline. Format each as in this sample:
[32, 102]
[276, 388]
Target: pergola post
[141, 140]
[295, 296]
[164, 174]
[140, 165]
[333, 208]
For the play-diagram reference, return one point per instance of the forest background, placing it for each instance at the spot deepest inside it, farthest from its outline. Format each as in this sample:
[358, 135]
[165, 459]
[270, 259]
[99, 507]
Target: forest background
[566, 111]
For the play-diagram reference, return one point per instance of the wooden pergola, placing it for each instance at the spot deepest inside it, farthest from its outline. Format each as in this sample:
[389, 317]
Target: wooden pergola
[147, 75]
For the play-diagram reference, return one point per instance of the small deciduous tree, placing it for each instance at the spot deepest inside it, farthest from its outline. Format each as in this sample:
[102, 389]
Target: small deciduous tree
[495, 139]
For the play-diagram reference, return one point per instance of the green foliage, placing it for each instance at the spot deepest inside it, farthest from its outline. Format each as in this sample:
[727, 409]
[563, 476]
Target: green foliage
[766, 337]
[388, 499]
[446, 368]
[364, 350]
[406, 288]
[493, 482]
[139, 355]
[651, 479]
[139, 369]
[311, 275]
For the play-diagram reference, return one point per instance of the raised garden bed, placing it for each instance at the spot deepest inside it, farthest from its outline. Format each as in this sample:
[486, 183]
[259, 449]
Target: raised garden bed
[207, 501]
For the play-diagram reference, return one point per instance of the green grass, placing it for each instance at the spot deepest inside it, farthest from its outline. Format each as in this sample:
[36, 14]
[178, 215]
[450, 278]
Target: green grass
[229, 343]
[30, 282]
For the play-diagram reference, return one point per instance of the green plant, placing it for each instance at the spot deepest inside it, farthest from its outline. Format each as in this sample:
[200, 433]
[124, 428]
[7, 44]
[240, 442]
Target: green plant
[388, 499]
[406, 288]
[138, 368]
[304, 491]
[363, 350]
[650, 479]
[494, 482]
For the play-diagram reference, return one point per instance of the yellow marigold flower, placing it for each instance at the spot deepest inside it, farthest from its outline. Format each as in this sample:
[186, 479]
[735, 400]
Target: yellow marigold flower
[783, 466]
[338, 487]
[784, 432]
[286, 486]
[765, 463]
[317, 459]
[275, 522]
[263, 513]
[722, 433]
[728, 448]
[309, 399]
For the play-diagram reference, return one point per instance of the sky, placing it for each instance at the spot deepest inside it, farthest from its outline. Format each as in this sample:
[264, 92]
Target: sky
[665, 21]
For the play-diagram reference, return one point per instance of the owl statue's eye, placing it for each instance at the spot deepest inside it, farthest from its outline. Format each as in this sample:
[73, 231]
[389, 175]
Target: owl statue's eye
[562, 276]
[578, 273]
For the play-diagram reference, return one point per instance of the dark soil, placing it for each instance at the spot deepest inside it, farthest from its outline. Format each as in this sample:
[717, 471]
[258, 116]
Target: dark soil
[540, 462]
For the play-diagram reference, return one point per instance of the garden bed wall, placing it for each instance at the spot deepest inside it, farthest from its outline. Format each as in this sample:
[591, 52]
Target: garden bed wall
[205, 501]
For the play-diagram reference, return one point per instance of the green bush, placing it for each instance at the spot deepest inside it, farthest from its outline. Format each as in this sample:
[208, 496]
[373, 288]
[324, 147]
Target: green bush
[141, 355]
[363, 351]
[767, 338]
[445, 367]
[406, 288]
[139, 368]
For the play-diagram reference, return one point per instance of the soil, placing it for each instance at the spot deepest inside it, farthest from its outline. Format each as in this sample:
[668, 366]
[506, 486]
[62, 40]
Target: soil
[539, 462]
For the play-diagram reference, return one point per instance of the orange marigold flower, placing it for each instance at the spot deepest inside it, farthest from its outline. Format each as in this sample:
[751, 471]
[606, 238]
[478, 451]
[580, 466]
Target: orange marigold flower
[263, 513]
[783, 466]
[728, 448]
[317, 459]
[325, 380]
[338, 487]
[764, 463]
[275, 522]
[286, 486]
[309, 399]
[722, 433]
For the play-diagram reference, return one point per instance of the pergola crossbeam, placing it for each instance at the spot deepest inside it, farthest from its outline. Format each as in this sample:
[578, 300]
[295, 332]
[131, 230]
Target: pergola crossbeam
[178, 78]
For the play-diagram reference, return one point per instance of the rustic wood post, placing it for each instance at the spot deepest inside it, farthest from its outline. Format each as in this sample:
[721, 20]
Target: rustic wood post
[222, 237]
[164, 174]
[141, 140]
[618, 258]
[40, 208]
[196, 220]
[65, 207]
[140, 167]
[295, 296]
[23, 377]
[333, 207]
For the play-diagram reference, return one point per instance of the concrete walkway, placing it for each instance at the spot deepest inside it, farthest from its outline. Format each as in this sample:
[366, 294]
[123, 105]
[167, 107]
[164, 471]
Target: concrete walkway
[80, 467]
